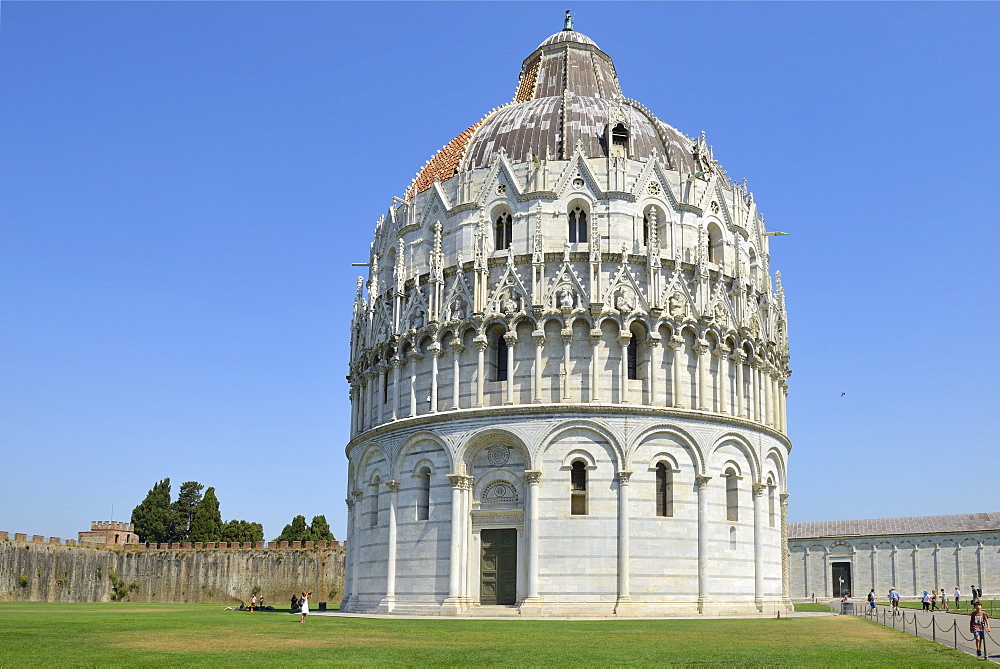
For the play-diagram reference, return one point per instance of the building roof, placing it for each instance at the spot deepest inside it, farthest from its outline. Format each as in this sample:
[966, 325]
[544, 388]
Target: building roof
[567, 96]
[967, 522]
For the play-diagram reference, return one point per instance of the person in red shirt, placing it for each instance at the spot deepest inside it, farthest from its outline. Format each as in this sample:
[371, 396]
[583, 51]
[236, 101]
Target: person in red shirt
[979, 625]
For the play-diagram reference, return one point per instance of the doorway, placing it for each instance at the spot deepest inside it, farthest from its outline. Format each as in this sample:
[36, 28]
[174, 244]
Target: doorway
[841, 578]
[498, 567]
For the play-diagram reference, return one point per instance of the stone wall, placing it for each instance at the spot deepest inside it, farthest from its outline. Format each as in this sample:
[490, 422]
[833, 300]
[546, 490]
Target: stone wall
[911, 563]
[52, 572]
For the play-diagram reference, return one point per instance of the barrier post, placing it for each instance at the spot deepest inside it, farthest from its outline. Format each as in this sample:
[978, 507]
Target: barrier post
[933, 629]
[954, 629]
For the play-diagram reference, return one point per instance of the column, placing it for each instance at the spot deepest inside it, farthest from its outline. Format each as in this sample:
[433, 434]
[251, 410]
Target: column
[783, 497]
[390, 574]
[435, 354]
[702, 541]
[380, 392]
[595, 362]
[458, 482]
[356, 540]
[481, 345]
[415, 357]
[456, 350]
[623, 537]
[677, 344]
[654, 370]
[754, 411]
[531, 478]
[722, 379]
[700, 349]
[349, 557]
[538, 338]
[354, 409]
[395, 387]
[511, 339]
[623, 341]
[758, 545]
[738, 358]
[567, 341]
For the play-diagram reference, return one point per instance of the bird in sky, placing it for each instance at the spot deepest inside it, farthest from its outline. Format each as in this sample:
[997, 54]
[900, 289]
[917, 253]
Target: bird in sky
[842, 394]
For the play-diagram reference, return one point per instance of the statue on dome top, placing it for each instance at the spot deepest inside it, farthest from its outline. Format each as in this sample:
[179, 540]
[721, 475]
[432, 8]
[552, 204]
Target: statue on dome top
[568, 23]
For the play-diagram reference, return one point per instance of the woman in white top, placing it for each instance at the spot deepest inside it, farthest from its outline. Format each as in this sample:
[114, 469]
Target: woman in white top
[304, 603]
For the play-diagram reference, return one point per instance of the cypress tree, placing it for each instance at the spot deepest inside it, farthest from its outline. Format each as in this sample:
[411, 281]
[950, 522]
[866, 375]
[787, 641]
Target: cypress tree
[297, 530]
[319, 529]
[187, 503]
[153, 518]
[206, 525]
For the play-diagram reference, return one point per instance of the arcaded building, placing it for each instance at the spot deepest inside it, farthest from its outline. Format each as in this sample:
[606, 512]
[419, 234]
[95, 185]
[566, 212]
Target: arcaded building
[568, 370]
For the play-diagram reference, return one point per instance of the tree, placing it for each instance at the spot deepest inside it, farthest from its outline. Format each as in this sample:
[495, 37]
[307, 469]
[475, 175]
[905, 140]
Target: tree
[319, 529]
[297, 530]
[241, 530]
[187, 503]
[154, 518]
[206, 525]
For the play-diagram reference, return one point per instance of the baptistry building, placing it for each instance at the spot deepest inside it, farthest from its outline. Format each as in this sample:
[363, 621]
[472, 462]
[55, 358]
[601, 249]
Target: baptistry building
[568, 370]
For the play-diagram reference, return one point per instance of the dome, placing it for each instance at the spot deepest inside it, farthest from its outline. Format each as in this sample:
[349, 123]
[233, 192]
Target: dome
[567, 96]
[568, 35]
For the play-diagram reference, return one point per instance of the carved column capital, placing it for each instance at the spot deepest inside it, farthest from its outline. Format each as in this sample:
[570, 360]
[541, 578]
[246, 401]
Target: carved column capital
[456, 346]
[532, 476]
[460, 481]
[784, 498]
[623, 477]
[393, 486]
[567, 336]
[511, 339]
[538, 336]
[701, 346]
[702, 481]
[758, 489]
[595, 336]
[357, 493]
[350, 504]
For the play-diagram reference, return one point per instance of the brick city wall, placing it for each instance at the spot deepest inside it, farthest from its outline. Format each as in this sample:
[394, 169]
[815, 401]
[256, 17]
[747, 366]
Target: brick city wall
[53, 571]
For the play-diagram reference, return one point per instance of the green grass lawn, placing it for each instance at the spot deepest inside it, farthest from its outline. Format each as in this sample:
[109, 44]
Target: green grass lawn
[989, 605]
[812, 607]
[37, 634]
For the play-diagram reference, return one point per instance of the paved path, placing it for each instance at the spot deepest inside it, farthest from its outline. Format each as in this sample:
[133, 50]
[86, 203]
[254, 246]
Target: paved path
[945, 628]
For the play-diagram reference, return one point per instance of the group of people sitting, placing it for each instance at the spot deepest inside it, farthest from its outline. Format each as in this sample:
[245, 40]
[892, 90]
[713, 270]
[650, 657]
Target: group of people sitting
[256, 604]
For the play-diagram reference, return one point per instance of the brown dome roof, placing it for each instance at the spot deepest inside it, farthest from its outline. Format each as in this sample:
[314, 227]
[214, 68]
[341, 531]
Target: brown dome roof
[567, 93]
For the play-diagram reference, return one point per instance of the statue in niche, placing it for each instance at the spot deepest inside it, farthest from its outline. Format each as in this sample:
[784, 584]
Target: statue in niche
[625, 302]
[565, 298]
[509, 304]
[720, 313]
[418, 320]
[754, 326]
[456, 310]
[676, 305]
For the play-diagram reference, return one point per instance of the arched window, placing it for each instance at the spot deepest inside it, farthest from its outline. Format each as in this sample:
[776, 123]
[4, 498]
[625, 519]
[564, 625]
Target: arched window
[502, 359]
[770, 501]
[754, 268]
[619, 143]
[374, 507]
[503, 232]
[578, 488]
[385, 387]
[424, 494]
[664, 491]
[632, 350]
[714, 244]
[732, 496]
[732, 538]
[645, 230]
[577, 225]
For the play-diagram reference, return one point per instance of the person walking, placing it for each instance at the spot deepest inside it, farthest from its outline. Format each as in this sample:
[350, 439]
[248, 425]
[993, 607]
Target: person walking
[944, 600]
[926, 601]
[304, 603]
[979, 625]
[975, 595]
[958, 596]
[871, 602]
[894, 600]
[934, 606]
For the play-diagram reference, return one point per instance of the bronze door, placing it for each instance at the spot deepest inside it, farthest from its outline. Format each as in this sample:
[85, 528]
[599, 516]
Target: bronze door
[498, 567]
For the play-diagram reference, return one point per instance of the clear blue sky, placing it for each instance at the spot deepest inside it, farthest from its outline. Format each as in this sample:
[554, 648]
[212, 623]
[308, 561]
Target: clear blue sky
[183, 187]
